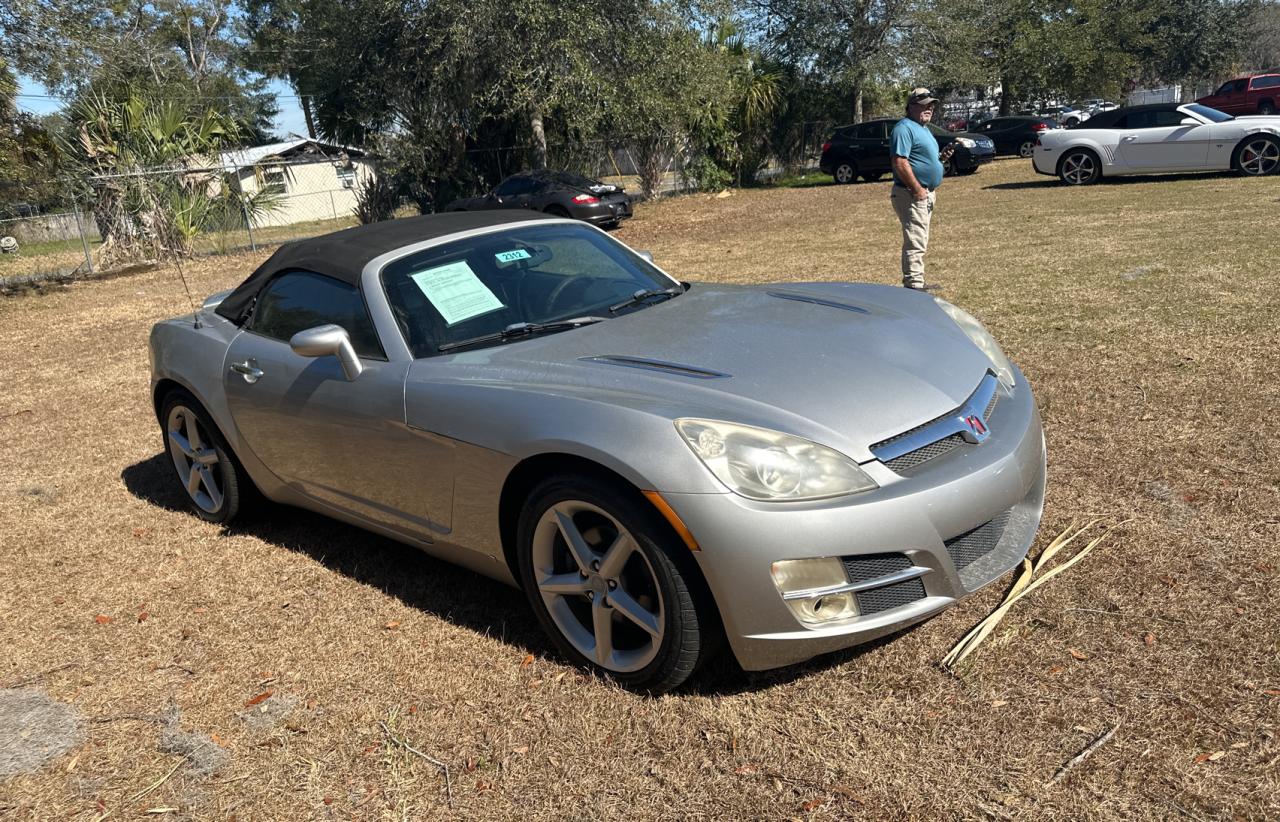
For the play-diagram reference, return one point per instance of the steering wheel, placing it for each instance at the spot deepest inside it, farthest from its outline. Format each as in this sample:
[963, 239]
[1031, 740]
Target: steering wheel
[561, 288]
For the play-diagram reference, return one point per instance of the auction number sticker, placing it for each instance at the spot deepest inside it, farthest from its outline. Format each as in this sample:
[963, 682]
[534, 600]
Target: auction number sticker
[512, 256]
[456, 292]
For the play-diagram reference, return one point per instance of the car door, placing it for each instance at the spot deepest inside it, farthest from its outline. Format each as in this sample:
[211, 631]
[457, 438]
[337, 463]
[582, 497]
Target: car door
[999, 131]
[1156, 140]
[873, 146]
[343, 443]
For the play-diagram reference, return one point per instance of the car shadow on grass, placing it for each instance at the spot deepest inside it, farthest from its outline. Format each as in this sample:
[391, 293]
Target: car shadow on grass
[438, 588]
[1125, 180]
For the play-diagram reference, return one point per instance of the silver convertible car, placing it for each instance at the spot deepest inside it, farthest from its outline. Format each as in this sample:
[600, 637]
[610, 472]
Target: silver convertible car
[659, 465]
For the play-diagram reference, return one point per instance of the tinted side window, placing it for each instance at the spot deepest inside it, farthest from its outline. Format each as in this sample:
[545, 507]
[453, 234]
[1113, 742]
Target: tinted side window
[1226, 88]
[512, 186]
[869, 131]
[1153, 119]
[1272, 81]
[1240, 85]
[299, 300]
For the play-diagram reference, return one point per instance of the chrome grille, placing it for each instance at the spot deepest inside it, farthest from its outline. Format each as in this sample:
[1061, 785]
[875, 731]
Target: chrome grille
[947, 431]
[972, 546]
[869, 567]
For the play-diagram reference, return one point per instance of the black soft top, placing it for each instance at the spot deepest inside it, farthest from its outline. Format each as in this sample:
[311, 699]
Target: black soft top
[344, 254]
[1106, 119]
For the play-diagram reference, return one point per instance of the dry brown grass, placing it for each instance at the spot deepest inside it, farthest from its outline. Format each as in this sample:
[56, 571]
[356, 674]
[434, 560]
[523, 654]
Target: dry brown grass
[1142, 311]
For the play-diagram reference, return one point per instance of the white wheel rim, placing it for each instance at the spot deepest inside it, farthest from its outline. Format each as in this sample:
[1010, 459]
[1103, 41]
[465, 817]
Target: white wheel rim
[1260, 157]
[844, 173]
[1078, 169]
[1028, 148]
[194, 459]
[598, 586]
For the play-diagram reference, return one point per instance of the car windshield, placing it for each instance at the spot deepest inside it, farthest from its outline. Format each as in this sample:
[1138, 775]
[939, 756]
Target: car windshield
[481, 285]
[1210, 114]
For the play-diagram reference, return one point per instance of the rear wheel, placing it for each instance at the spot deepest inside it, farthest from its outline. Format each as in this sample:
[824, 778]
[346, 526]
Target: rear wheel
[1266, 107]
[846, 173]
[1027, 149]
[1257, 156]
[1079, 167]
[610, 583]
[214, 482]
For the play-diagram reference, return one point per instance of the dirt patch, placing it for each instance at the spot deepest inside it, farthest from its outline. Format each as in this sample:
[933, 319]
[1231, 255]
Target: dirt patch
[34, 730]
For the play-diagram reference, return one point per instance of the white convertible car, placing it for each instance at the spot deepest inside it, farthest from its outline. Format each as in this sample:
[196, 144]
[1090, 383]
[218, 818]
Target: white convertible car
[1160, 138]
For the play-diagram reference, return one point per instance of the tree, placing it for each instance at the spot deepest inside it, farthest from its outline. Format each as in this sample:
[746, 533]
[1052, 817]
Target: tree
[150, 165]
[852, 40]
[29, 156]
[185, 50]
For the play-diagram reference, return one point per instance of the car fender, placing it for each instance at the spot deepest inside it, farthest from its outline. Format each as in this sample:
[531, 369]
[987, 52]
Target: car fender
[1103, 144]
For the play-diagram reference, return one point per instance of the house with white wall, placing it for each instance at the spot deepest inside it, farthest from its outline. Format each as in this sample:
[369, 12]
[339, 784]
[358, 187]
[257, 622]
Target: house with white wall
[315, 180]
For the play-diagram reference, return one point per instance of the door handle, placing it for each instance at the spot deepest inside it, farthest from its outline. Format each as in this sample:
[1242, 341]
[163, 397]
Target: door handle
[250, 371]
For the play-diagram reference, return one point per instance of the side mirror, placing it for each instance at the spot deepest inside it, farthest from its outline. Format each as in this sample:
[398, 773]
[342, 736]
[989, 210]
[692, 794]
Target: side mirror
[326, 340]
[1191, 121]
[646, 255]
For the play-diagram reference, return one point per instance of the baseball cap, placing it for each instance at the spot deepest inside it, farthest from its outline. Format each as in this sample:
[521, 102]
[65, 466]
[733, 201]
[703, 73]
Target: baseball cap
[922, 96]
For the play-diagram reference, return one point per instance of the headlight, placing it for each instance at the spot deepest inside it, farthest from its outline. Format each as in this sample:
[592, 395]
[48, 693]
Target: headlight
[981, 338]
[966, 142]
[767, 465]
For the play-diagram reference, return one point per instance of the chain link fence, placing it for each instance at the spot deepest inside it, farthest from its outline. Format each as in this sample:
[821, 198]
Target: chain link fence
[222, 209]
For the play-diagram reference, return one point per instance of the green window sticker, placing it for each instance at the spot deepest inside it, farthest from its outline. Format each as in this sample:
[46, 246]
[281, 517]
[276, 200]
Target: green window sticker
[512, 256]
[456, 292]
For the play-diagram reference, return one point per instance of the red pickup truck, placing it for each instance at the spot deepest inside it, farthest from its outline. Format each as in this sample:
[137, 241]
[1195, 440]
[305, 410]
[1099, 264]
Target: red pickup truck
[1259, 94]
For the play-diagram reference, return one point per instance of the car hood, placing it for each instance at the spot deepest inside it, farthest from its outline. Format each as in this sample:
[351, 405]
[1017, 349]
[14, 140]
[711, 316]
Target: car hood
[842, 364]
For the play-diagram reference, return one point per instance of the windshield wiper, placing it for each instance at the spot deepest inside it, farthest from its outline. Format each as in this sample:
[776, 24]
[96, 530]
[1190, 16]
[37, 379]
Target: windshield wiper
[517, 331]
[645, 294]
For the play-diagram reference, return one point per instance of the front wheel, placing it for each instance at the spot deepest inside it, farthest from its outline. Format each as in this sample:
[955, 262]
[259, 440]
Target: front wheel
[1258, 156]
[611, 585]
[214, 482]
[846, 173]
[1079, 168]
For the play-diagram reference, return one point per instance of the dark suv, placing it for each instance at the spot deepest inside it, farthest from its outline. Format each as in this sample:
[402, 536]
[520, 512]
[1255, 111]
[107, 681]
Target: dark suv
[1259, 94]
[862, 150]
[1015, 135]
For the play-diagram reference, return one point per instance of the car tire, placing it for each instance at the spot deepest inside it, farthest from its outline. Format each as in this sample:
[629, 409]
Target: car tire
[572, 592]
[212, 479]
[1266, 107]
[871, 176]
[845, 173]
[949, 167]
[1257, 155]
[1027, 149]
[1079, 167]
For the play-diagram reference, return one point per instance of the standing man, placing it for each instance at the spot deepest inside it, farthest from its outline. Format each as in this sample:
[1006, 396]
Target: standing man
[917, 173]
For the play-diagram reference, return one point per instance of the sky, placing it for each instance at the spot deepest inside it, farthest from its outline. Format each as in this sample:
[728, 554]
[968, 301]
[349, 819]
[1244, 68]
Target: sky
[36, 99]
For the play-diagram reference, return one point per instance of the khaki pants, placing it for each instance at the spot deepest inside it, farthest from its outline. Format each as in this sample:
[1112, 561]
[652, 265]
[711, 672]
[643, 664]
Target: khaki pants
[914, 216]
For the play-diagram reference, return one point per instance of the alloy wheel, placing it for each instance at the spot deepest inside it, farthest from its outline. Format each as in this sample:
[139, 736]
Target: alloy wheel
[1027, 149]
[195, 459]
[844, 173]
[1260, 157]
[1079, 169]
[598, 586]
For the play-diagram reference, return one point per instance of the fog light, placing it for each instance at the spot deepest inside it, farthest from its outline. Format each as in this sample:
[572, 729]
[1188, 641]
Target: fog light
[802, 582]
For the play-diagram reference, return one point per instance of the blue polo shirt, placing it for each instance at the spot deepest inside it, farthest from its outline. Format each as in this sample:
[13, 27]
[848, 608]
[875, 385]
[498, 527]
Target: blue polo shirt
[918, 145]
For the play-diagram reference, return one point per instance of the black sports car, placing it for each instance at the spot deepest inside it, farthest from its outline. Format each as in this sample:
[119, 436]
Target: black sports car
[555, 192]
[862, 150]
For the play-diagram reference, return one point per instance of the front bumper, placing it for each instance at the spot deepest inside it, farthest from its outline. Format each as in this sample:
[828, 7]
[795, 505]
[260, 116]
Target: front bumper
[969, 158]
[1002, 479]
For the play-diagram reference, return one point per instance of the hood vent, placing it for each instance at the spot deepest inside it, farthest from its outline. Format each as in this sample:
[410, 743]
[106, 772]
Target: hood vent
[806, 298]
[658, 365]
[817, 301]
